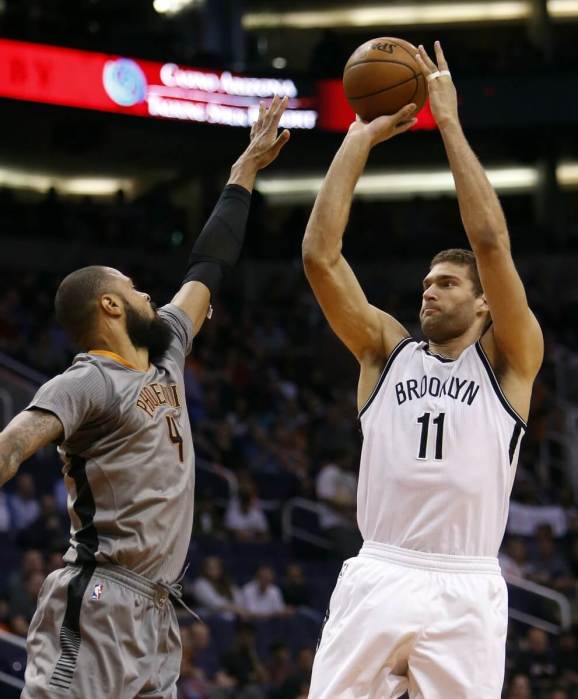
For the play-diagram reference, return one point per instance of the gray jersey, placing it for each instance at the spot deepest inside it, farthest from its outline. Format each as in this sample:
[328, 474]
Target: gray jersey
[128, 455]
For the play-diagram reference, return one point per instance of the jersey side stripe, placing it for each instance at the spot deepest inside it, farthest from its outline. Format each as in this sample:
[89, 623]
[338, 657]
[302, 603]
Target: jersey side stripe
[514, 441]
[496, 386]
[396, 350]
[85, 508]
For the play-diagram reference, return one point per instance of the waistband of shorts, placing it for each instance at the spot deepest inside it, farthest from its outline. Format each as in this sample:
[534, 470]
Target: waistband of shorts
[128, 578]
[430, 561]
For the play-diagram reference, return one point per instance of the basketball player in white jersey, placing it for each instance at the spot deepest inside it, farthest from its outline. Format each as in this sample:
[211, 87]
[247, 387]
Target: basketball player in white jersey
[423, 607]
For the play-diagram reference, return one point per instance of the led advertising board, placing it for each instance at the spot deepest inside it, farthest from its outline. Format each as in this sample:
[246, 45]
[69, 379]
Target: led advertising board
[98, 81]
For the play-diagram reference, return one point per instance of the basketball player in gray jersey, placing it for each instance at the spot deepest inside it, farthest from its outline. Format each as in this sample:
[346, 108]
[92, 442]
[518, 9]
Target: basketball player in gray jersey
[423, 607]
[104, 626]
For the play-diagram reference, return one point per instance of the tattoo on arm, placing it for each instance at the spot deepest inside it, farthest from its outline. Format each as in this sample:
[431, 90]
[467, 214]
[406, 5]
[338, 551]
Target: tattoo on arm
[28, 432]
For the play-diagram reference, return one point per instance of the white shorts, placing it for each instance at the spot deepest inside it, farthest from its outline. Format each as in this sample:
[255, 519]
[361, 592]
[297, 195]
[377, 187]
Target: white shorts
[401, 620]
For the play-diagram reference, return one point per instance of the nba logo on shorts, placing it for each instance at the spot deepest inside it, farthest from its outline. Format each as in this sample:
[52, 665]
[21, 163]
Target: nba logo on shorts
[97, 592]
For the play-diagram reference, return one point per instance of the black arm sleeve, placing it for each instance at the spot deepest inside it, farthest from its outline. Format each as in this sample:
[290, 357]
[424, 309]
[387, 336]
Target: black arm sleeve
[219, 245]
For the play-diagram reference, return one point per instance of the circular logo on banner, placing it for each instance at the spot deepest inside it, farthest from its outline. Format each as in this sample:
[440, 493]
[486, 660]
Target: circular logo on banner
[124, 82]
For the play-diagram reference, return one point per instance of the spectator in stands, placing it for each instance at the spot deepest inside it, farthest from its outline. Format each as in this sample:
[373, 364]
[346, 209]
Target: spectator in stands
[207, 518]
[23, 600]
[520, 687]
[336, 488]
[280, 666]
[244, 518]
[227, 451]
[23, 504]
[215, 593]
[263, 455]
[558, 694]
[525, 515]
[48, 531]
[537, 660]
[297, 686]
[262, 597]
[333, 434]
[44, 353]
[291, 448]
[514, 559]
[548, 567]
[31, 562]
[242, 668]
[295, 589]
[18, 625]
[193, 683]
[567, 658]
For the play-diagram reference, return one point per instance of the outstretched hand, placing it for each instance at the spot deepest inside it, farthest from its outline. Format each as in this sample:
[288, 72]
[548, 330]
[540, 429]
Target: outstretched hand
[385, 127]
[441, 89]
[265, 144]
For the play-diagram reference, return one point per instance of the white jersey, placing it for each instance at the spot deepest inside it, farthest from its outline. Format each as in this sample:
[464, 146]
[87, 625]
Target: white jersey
[440, 448]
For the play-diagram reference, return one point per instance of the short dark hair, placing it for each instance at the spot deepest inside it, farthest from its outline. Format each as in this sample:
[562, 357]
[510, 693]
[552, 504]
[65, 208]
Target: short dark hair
[76, 298]
[465, 258]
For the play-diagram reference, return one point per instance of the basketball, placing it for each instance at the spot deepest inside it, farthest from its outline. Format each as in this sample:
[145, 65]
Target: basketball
[381, 76]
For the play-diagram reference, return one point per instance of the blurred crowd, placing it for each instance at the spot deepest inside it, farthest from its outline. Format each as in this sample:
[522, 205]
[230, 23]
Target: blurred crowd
[272, 416]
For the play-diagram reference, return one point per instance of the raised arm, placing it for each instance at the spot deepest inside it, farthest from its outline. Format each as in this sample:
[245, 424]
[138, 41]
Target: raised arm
[515, 331]
[364, 329]
[28, 432]
[219, 245]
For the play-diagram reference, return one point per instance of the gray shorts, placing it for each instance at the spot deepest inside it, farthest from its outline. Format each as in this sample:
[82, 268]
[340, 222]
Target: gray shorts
[102, 633]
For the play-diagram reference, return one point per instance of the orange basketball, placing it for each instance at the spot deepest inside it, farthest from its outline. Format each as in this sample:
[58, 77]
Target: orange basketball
[382, 76]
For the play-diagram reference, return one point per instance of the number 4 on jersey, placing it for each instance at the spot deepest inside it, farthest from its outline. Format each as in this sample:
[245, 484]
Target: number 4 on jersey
[424, 422]
[175, 435]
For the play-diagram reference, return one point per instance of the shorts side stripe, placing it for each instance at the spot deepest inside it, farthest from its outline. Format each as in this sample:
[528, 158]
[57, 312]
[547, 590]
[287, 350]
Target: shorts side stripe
[70, 639]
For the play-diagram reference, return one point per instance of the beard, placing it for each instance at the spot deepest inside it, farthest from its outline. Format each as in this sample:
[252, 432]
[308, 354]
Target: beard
[154, 334]
[442, 327]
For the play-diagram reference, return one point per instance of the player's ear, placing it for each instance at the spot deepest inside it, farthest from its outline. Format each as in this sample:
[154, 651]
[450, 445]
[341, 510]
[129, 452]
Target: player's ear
[111, 305]
[482, 304]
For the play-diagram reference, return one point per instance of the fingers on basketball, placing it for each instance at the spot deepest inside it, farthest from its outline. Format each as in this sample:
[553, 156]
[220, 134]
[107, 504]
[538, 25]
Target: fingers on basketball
[405, 125]
[422, 65]
[404, 115]
[425, 62]
[441, 59]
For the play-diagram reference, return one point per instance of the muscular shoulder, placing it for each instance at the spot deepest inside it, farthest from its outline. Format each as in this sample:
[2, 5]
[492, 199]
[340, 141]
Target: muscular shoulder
[515, 381]
[523, 358]
[391, 332]
[524, 366]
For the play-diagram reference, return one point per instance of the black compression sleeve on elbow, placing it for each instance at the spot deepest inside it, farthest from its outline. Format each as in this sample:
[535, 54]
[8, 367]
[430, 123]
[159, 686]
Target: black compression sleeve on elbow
[219, 245]
[209, 273]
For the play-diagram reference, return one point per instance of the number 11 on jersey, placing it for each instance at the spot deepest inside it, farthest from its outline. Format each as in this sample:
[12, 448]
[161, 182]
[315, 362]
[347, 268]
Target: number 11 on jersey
[424, 421]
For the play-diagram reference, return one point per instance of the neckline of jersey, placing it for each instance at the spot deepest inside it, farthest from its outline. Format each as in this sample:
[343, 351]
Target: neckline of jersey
[425, 348]
[117, 358]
